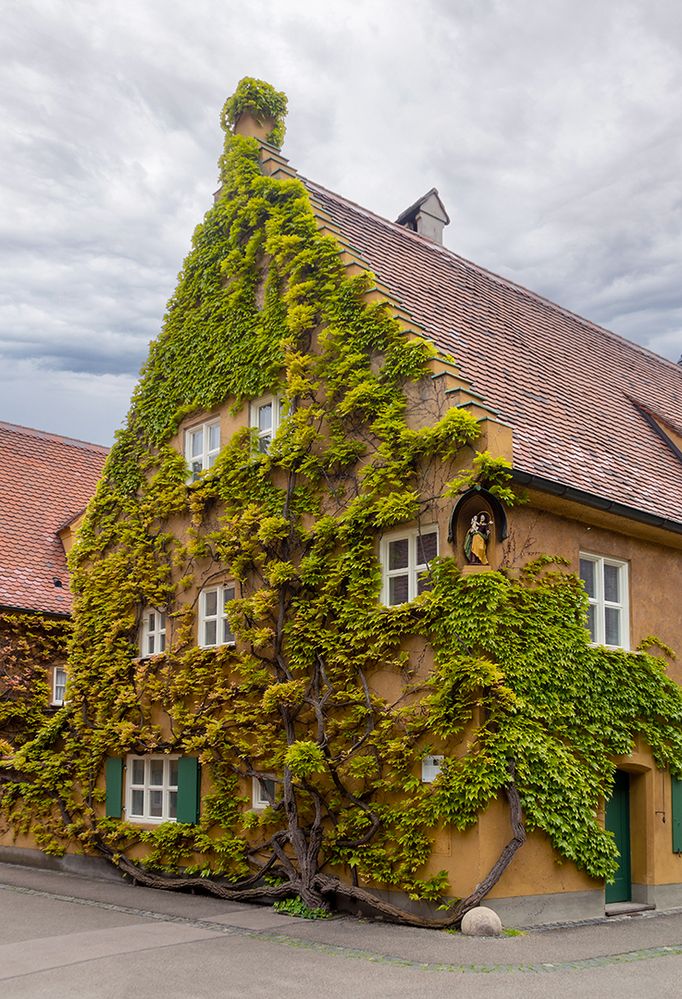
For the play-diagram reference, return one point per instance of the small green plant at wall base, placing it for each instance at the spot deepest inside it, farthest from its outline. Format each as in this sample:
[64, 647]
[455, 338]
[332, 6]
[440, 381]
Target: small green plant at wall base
[297, 907]
[264, 307]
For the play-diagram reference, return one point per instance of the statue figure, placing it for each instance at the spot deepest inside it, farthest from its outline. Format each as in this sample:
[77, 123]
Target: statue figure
[476, 540]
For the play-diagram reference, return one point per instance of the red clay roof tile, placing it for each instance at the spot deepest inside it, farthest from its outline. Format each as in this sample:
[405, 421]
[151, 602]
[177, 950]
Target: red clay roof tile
[565, 384]
[45, 481]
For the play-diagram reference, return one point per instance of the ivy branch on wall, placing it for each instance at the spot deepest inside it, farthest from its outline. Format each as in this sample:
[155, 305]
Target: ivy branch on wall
[518, 701]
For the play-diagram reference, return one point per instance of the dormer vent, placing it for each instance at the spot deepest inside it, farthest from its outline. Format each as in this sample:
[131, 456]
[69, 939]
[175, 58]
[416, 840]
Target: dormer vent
[426, 216]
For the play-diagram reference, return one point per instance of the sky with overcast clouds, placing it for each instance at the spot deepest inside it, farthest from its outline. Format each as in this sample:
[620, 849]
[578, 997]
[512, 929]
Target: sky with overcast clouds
[552, 129]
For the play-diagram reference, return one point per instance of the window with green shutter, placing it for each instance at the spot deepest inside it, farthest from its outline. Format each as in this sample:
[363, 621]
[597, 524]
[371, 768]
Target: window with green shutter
[677, 814]
[159, 788]
[189, 789]
[113, 776]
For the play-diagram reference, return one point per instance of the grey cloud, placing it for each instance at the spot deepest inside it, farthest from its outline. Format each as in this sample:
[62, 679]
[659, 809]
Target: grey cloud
[551, 130]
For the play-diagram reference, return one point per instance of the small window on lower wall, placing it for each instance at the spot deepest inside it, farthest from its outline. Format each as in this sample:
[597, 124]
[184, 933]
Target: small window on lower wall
[266, 416]
[153, 632]
[58, 686]
[214, 626]
[606, 583]
[405, 558]
[263, 792]
[152, 788]
[431, 767]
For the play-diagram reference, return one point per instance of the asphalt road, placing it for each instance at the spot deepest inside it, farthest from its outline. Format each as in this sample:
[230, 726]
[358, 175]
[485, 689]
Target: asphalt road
[63, 936]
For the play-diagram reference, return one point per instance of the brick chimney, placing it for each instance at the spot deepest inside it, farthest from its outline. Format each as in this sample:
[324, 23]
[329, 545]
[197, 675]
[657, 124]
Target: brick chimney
[426, 216]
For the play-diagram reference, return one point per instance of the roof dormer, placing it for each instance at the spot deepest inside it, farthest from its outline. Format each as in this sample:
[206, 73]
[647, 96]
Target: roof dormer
[426, 216]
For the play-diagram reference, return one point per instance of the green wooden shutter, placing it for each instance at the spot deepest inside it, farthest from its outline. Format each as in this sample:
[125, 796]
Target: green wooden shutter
[113, 775]
[677, 815]
[189, 789]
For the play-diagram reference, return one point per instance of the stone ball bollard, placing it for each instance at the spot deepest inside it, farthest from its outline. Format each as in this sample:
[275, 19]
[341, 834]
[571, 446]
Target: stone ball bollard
[481, 922]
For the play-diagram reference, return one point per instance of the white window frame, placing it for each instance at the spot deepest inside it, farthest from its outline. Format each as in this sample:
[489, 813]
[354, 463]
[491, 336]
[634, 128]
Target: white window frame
[268, 432]
[208, 454]
[413, 570]
[259, 800]
[224, 634]
[600, 603]
[157, 633]
[57, 701]
[431, 767]
[146, 787]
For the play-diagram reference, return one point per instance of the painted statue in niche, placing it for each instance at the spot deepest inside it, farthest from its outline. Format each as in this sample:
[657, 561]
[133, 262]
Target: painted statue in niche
[477, 538]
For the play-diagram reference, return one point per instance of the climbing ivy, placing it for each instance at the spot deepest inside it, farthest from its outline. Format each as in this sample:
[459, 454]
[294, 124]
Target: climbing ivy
[30, 644]
[518, 700]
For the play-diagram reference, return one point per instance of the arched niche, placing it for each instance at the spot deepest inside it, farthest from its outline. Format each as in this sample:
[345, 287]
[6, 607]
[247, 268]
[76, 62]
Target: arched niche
[478, 503]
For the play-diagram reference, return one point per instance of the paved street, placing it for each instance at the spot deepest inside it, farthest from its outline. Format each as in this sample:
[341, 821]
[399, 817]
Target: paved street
[68, 936]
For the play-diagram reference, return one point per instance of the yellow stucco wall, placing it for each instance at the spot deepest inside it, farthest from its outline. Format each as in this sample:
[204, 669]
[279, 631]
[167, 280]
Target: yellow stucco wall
[546, 525]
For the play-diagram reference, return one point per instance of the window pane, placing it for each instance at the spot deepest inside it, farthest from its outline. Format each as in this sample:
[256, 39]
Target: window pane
[587, 575]
[612, 626]
[612, 583]
[156, 804]
[398, 553]
[214, 437]
[150, 645]
[173, 773]
[137, 803]
[156, 773]
[264, 443]
[162, 622]
[423, 582]
[151, 621]
[267, 789]
[398, 590]
[162, 642]
[197, 466]
[138, 771]
[196, 443]
[211, 603]
[210, 633]
[591, 622]
[427, 547]
[211, 459]
[265, 417]
[172, 804]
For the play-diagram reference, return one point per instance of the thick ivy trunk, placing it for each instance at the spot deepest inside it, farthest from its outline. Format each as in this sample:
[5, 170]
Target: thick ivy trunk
[319, 890]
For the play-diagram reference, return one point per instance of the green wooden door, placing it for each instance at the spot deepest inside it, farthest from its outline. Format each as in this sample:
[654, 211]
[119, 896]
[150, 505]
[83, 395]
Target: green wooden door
[618, 822]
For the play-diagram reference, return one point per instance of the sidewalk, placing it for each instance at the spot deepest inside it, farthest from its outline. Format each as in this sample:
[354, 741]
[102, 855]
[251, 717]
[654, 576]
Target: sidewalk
[623, 940]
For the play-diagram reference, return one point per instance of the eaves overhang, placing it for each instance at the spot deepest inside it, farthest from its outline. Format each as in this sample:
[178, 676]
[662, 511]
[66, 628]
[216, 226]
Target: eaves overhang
[37, 611]
[585, 498]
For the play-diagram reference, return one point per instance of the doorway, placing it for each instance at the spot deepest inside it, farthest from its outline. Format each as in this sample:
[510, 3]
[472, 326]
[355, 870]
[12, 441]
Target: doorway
[618, 822]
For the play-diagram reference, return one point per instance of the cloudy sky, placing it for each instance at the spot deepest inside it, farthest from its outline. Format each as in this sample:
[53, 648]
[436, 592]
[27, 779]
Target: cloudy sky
[552, 129]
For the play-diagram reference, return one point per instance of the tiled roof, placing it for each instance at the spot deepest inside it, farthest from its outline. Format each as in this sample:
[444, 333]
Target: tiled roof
[572, 391]
[45, 481]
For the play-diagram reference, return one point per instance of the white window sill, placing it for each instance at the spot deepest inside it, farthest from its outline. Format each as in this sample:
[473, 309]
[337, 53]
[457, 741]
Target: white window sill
[147, 820]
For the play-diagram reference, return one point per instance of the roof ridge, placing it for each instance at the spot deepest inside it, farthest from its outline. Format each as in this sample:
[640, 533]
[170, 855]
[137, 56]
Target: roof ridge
[48, 435]
[507, 282]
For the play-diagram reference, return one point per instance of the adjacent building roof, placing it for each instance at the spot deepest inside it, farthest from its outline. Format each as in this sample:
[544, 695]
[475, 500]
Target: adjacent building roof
[45, 481]
[576, 395]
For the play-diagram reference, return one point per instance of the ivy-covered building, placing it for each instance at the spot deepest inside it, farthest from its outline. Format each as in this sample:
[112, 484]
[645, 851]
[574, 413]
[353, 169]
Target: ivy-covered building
[376, 602]
[46, 481]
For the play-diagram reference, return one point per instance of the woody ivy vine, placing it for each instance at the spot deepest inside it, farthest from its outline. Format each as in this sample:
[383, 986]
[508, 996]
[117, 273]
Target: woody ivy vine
[518, 701]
